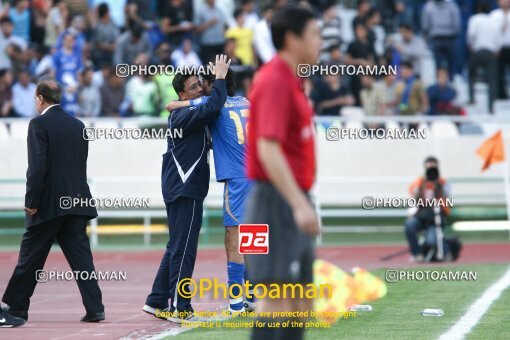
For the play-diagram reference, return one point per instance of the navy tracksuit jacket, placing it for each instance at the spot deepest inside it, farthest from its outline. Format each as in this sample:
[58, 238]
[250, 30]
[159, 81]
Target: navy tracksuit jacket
[185, 184]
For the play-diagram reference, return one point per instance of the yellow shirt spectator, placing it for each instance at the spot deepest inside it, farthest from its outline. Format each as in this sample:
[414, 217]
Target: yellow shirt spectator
[244, 40]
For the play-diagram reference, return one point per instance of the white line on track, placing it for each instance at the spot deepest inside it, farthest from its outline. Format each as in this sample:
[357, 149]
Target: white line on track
[477, 309]
[170, 332]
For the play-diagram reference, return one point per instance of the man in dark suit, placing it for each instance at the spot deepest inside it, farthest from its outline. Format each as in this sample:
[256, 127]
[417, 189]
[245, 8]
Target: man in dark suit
[57, 172]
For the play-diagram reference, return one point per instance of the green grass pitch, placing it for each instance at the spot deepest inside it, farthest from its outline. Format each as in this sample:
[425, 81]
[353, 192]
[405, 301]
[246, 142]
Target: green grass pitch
[397, 316]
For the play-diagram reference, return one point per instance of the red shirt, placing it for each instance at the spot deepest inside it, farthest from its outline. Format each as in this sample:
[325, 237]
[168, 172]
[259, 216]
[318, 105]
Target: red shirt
[279, 110]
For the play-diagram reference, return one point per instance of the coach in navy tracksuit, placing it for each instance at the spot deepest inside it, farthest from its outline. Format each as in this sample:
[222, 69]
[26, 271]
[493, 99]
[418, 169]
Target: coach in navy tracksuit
[185, 183]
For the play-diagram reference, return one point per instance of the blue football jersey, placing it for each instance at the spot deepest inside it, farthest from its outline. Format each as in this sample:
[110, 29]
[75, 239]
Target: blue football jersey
[229, 138]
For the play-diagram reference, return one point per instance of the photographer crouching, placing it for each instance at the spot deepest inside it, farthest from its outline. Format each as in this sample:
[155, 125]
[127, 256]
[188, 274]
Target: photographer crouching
[426, 218]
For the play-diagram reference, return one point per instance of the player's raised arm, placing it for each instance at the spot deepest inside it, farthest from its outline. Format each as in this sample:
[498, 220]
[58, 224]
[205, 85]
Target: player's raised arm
[199, 116]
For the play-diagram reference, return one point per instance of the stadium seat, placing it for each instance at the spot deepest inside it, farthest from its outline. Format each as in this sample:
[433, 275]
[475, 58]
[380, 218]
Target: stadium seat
[470, 129]
[444, 129]
[353, 112]
[393, 125]
[353, 124]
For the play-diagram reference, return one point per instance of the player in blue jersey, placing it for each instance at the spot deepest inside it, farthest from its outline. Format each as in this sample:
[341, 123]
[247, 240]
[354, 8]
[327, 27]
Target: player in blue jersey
[229, 138]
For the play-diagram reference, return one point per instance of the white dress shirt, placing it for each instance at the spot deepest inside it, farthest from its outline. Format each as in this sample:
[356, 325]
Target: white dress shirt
[482, 33]
[46, 109]
[23, 100]
[502, 22]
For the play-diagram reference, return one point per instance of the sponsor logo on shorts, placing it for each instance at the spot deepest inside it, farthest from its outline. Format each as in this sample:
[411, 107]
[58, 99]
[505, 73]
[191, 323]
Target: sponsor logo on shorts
[253, 238]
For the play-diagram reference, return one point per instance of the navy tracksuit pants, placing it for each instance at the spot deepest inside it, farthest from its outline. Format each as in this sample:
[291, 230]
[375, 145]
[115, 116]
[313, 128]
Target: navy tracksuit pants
[184, 223]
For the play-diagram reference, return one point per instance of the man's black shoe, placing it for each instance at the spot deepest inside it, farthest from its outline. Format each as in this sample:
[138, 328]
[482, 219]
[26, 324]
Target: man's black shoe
[19, 314]
[93, 317]
[9, 321]
[16, 313]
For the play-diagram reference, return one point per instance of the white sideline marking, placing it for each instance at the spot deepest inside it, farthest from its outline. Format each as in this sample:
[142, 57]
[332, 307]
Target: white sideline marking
[171, 332]
[477, 309]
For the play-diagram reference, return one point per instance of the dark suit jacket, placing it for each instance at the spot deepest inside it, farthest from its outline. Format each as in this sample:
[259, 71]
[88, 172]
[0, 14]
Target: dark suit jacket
[57, 167]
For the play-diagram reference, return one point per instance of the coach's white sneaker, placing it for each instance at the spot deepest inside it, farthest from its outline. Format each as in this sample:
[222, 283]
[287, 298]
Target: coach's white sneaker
[159, 313]
[186, 317]
[229, 313]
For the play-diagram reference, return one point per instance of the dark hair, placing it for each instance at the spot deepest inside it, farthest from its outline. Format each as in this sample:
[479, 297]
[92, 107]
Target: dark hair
[237, 13]
[362, 2]
[289, 19]
[431, 159]
[180, 79]
[333, 47]
[407, 64]
[483, 7]
[373, 11]
[329, 4]
[102, 10]
[5, 20]
[230, 80]
[266, 8]
[406, 26]
[50, 90]
[136, 30]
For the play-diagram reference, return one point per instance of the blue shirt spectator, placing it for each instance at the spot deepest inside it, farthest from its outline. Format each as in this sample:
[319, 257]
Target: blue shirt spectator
[20, 16]
[441, 95]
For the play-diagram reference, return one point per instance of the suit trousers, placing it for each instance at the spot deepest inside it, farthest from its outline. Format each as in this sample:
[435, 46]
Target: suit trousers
[70, 232]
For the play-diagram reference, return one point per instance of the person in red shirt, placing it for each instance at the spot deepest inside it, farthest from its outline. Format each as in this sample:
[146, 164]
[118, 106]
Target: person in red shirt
[281, 161]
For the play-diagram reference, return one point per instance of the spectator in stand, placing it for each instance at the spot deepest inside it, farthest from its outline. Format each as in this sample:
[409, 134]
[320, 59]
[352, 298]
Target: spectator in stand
[77, 29]
[364, 7]
[329, 96]
[389, 85]
[262, 41]
[376, 35]
[141, 91]
[55, 22]
[242, 73]
[104, 36]
[165, 89]
[117, 10]
[140, 12]
[243, 37]
[68, 62]
[185, 55]
[441, 25]
[176, 23]
[230, 51]
[130, 44]
[40, 9]
[13, 49]
[23, 93]
[210, 25]
[112, 95]
[501, 18]
[251, 18]
[372, 97]
[359, 52]
[41, 63]
[6, 109]
[409, 46]
[334, 56]
[20, 16]
[483, 41]
[441, 96]
[409, 92]
[89, 97]
[331, 27]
